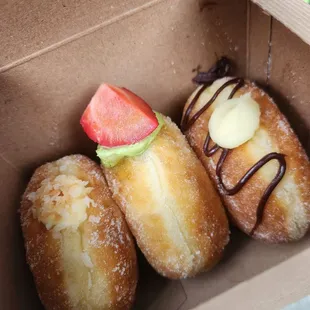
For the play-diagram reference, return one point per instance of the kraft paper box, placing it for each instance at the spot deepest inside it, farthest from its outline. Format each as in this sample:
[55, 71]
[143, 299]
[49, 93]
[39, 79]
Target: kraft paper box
[54, 54]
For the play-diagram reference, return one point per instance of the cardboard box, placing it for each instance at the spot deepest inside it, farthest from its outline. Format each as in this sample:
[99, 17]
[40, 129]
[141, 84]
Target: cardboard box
[53, 56]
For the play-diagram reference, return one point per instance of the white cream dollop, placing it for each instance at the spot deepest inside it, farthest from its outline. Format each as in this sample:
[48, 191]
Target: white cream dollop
[61, 202]
[234, 121]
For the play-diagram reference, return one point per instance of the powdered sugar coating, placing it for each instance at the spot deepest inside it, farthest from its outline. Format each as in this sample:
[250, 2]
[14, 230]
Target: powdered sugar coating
[287, 213]
[69, 270]
[171, 206]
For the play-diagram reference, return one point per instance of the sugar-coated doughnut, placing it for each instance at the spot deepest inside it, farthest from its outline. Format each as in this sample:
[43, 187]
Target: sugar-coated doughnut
[77, 242]
[171, 206]
[271, 202]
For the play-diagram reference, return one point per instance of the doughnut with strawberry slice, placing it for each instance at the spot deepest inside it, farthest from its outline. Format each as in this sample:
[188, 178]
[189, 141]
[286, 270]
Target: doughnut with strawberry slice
[166, 196]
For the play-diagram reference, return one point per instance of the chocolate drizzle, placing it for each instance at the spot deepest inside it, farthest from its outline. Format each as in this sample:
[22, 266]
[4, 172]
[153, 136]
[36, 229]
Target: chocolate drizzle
[206, 79]
[220, 69]
[187, 123]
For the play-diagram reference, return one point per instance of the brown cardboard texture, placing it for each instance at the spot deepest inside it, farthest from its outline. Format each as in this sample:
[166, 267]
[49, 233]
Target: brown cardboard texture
[54, 56]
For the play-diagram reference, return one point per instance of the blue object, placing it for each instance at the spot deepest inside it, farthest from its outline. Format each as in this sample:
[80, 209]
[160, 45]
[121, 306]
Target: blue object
[303, 304]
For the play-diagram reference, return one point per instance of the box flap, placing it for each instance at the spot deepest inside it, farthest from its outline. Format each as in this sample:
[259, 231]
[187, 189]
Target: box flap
[294, 14]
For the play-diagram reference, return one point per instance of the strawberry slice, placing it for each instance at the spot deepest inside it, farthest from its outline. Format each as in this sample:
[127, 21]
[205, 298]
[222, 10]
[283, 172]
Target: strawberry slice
[116, 116]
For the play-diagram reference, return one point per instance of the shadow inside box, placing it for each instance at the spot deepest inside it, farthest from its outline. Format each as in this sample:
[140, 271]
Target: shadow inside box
[155, 292]
[158, 293]
[17, 289]
[244, 259]
[150, 284]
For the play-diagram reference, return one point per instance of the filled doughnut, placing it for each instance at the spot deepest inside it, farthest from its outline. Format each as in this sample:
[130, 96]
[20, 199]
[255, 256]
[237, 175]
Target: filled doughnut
[166, 196]
[77, 242]
[252, 155]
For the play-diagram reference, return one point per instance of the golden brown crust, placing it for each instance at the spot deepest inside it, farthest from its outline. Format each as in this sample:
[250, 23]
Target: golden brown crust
[171, 206]
[287, 213]
[62, 278]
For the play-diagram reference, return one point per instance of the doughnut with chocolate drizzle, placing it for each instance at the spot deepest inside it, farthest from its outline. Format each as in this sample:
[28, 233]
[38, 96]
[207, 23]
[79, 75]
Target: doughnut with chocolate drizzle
[221, 69]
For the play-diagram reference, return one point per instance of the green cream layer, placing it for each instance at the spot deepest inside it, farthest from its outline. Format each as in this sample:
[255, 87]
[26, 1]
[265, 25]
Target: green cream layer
[110, 157]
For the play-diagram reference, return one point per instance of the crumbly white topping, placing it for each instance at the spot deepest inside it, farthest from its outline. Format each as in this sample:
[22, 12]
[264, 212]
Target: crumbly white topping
[61, 202]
